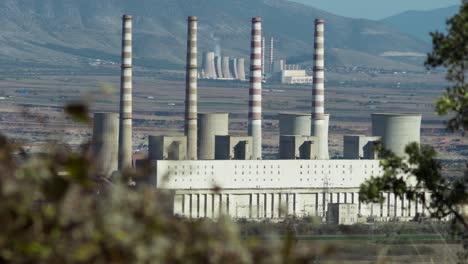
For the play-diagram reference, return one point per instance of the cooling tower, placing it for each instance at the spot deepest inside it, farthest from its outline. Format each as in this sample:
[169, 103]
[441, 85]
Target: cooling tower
[241, 69]
[126, 85]
[218, 67]
[294, 124]
[225, 65]
[255, 91]
[105, 143]
[211, 65]
[397, 130]
[191, 89]
[319, 123]
[208, 65]
[211, 125]
[233, 68]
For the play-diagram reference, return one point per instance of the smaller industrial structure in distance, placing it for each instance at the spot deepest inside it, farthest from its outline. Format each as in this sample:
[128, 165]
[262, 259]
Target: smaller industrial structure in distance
[222, 67]
[211, 172]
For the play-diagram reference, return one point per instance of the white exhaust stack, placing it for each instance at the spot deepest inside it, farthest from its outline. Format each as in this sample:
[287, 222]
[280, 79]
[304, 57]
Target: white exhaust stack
[263, 57]
[255, 92]
[126, 86]
[319, 119]
[191, 124]
[272, 52]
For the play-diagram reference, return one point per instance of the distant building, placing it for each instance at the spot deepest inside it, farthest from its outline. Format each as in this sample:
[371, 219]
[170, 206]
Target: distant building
[295, 77]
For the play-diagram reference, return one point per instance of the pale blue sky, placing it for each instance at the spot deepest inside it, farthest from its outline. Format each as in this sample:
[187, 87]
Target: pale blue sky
[376, 9]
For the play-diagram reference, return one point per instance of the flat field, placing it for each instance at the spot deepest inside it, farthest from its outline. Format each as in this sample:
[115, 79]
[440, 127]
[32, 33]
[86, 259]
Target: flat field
[31, 109]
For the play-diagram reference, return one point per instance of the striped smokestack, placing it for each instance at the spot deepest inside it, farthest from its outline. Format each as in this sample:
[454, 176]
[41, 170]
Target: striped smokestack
[191, 89]
[255, 92]
[272, 52]
[125, 122]
[319, 123]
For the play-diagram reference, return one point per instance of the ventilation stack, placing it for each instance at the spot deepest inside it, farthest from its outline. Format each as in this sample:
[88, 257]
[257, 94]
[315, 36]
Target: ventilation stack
[272, 50]
[263, 56]
[218, 66]
[241, 69]
[225, 63]
[233, 68]
[126, 85]
[191, 89]
[319, 119]
[255, 92]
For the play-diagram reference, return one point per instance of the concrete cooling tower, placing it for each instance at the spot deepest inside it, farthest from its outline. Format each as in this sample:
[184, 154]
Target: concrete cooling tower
[218, 67]
[209, 65]
[397, 130]
[225, 69]
[211, 125]
[233, 68]
[241, 69]
[105, 142]
[294, 124]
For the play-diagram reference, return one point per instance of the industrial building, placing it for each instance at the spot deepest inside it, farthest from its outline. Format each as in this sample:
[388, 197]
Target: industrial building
[211, 172]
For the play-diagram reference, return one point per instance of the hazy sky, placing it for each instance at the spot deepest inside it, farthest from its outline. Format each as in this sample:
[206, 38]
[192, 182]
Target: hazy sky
[376, 9]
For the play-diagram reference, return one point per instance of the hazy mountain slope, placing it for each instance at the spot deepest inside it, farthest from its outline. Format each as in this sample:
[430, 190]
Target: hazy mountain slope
[77, 32]
[419, 23]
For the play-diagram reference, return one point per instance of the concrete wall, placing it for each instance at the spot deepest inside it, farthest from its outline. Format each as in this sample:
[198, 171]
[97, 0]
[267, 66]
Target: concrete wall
[245, 174]
[210, 125]
[167, 148]
[277, 204]
[105, 142]
[397, 130]
[359, 147]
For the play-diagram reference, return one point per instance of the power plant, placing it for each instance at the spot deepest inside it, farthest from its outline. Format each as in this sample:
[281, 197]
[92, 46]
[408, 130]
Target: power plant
[211, 172]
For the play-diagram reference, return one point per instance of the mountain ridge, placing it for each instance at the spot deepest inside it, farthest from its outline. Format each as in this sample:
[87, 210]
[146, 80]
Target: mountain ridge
[76, 33]
[420, 23]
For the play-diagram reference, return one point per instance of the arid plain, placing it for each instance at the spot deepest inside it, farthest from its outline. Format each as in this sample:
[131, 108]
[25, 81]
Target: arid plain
[32, 107]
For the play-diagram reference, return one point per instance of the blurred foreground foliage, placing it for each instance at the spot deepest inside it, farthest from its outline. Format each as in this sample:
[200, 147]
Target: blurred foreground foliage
[54, 209]
[420, 171]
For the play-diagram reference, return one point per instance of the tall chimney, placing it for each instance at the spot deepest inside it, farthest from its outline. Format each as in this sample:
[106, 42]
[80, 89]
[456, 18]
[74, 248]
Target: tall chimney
[319, 122]
[263, 57]
[272, 50]
[126, 86]
[191, 89]
[255, 92]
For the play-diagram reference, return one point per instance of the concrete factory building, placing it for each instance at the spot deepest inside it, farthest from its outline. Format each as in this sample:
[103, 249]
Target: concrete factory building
[211, 172]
